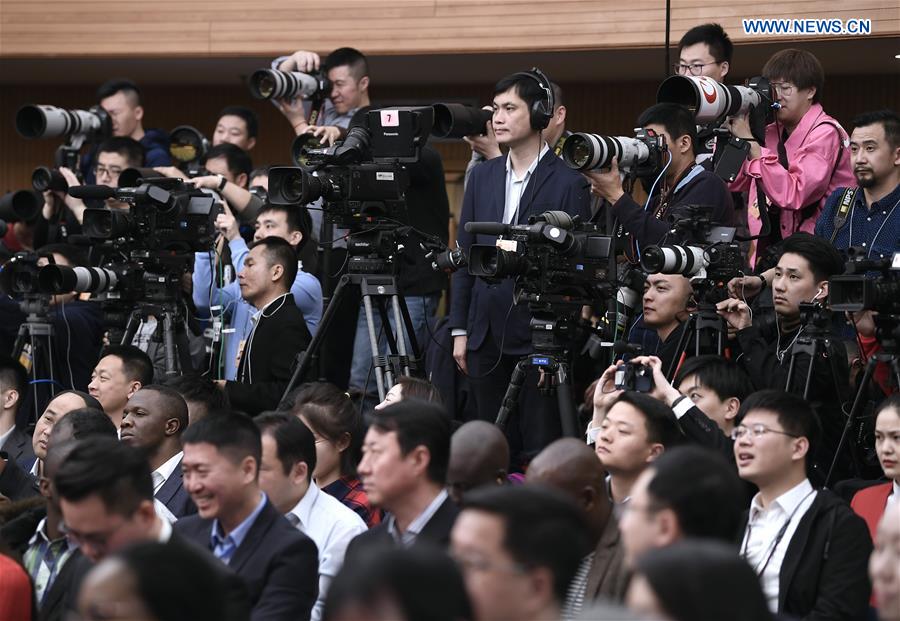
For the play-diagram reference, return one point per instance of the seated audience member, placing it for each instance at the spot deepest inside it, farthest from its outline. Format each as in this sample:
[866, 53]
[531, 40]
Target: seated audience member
[636, 430]
[871, 502]
[120, 373]
[571, 467]
[275, 221]
[154, 421]
[152, 580]
[60, 406]
[807, 546]
[519, 548]
[685, 183]
[697, 581]
[667, 303]
[285, 475]
[399, 584]
[106, 497]
[884, 565]
[238, 523]
[279, 332]
[404, 471]
[81, 423]
[14, 442]
[411, 388]
[689, 492]
[202, 396]
[803, 159]
[236, 125]
[479, 456]
[331, 416]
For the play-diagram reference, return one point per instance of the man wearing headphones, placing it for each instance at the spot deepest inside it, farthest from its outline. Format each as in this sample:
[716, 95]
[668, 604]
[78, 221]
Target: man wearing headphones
[491, 332]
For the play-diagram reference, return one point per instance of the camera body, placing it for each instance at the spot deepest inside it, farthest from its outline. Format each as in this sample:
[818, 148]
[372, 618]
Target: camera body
[634, 377]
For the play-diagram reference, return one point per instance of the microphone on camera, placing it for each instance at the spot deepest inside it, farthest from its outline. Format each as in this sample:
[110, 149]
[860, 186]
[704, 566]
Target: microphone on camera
[101, 192]
[623, 347]
[486, 228]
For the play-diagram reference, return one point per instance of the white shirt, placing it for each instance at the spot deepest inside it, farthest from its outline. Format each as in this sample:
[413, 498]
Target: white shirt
[760, 546]
[331, 525]
[515, 187]
[895, 495]
[162, 474]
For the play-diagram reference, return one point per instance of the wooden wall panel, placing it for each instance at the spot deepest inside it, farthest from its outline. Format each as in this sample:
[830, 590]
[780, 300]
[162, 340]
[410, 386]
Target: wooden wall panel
[130, 28]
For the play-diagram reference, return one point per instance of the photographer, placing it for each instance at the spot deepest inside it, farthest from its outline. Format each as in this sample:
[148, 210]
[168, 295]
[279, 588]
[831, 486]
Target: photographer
[236, 125]
[122, 100]
[490, 332]
[667, 303]
[685, 183]
[803, 159]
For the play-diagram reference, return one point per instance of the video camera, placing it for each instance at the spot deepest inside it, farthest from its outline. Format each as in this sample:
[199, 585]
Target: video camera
[856, 291]
[641, 156]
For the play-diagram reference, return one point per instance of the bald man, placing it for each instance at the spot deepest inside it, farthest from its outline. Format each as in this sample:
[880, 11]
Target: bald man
[570, 466]
[479, 455]
[154, 419]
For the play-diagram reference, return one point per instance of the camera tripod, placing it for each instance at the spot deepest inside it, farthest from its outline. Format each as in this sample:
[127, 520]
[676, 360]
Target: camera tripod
[706, 330]
[34, 342]
[170, 331]
[550, 334]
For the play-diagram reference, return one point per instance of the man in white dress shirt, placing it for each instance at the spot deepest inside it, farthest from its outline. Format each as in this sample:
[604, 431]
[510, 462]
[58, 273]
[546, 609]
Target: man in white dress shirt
[285, 475]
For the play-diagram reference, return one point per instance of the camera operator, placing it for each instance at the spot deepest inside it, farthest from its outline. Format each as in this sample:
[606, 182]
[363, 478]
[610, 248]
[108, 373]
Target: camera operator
[801, 276]
[685, 183]
[803, 159]
[490, 332]
[237, 125]
[122, 100]
[667, 303]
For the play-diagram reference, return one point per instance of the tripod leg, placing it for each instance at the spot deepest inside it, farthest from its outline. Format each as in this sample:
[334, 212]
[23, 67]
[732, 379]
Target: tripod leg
[168, 344]
[511, 398]
[377, 361]
[683, 341]
[568, 417]
[130, 328]
[809, 372]
[401, 334]
[854, 414]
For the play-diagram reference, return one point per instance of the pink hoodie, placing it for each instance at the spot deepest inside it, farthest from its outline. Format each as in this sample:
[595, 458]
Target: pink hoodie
[811, 177]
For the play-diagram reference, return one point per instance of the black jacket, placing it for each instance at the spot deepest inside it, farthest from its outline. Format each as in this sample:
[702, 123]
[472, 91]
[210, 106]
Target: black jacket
[824, 576]
[18, 447]
[15, 483]
[278, 564]
[265, 366]
[175, 496]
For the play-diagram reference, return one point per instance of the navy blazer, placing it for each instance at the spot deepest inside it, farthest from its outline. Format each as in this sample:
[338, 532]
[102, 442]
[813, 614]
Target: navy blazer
[278, 564]
[477, 306]
[174, 496]
[18, 447]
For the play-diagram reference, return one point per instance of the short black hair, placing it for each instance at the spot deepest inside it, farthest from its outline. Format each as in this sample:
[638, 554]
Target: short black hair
[294, 440]
[659, 418]
[418, 388]
[200, 389]
[349, 56]
[714, 36]
[800, 67]
[13, 375]
[701, 581]
[330, 412]
[296, 216]
[543, 528]
[127, 147]
[278, 251]
[795, 415]
[249, 117]
[692, 479]
[723, 377]
[171, 595]
[676, 119]
[117, 473]
[824, 259]
[236, 159]
[419, 423]
[86, 422]
[71, 253]
[135, 362]
[232, 434]
[888, 119]
[120, 85]
[527, 88]
[173, 404]
[260, 171]
[891, 402]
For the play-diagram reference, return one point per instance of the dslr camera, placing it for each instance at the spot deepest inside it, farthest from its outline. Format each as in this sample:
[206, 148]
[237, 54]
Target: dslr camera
[634, 377]
[641, 156]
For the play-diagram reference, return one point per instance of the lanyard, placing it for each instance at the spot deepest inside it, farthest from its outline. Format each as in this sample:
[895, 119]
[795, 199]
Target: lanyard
[760, 570]
[877, 233]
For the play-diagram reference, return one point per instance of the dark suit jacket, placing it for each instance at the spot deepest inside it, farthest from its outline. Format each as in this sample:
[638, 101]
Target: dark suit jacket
[478, 306]
[18, 446]
[435, 532]
[174, 496]
[268, 360]
[278, 564]
[54, 605]
[608, 577]
[16, 483]
[824, 576]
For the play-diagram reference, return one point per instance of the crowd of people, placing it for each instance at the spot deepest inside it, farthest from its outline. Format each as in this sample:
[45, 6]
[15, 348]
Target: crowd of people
[757, 481]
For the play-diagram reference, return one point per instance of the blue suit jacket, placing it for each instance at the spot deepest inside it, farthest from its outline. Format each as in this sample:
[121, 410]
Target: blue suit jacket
[477, 306]
[175, 497]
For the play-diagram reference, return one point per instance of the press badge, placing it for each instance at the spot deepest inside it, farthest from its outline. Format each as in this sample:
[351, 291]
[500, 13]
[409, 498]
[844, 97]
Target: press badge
[240, 352]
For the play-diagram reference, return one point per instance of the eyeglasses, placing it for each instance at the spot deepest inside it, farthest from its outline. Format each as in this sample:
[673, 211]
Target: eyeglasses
[471, 563]
[97, 541]
[112, 171]
[695, 69]
[784, 88]
[757, 430]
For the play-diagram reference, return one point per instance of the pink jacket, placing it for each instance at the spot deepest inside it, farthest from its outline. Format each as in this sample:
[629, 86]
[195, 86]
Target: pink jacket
[819, 161]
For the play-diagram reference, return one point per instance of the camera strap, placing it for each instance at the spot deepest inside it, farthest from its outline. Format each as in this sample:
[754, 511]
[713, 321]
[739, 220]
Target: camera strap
[843, 211]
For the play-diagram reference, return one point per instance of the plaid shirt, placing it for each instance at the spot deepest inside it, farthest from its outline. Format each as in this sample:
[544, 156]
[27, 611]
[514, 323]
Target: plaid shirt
[349, 490]
[44, 559]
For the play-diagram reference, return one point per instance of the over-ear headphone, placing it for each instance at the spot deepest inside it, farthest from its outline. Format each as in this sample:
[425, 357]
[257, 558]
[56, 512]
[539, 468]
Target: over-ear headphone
[541, 111]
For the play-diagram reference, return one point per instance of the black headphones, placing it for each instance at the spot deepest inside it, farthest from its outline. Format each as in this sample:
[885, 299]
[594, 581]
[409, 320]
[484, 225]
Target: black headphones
[541, 111]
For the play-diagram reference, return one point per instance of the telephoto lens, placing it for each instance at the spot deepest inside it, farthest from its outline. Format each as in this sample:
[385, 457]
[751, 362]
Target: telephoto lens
[21, 206]
[453, 120]
[584, 151]
[49, 122]
[711, 101]
[293, 186]
[187, 144]
[63, 279]
[44, 178]
[684, 260]
[274, 84]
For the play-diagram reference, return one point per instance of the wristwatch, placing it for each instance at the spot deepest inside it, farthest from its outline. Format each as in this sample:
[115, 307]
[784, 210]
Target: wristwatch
[222, 183]
[763, 280]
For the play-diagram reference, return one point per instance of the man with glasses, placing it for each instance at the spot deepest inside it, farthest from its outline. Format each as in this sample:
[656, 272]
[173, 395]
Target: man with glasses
[704, 50]
[807, 546]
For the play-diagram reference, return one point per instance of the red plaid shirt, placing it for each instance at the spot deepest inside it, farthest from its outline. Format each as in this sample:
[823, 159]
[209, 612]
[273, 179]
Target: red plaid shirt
[349, 490]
